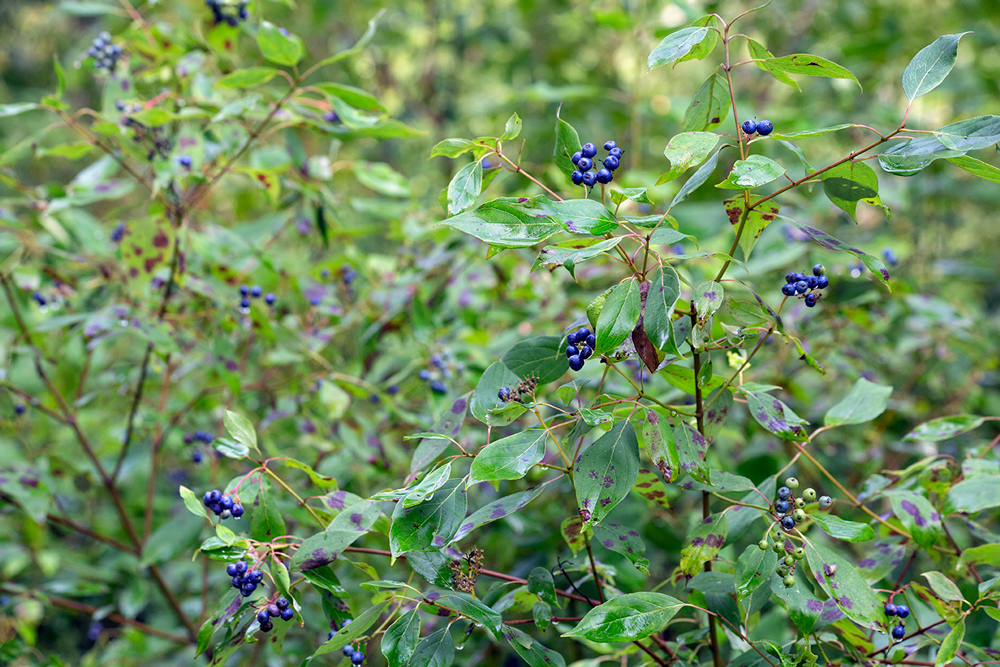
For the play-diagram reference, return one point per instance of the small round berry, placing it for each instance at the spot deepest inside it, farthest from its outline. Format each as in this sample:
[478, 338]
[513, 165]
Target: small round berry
[237, 510]
[439, 387]
[789, 560]
[241, 567]
[576, 362]
[792, 483]
[184, 161]
[197, 457]
[572, 350]
[616, 151]
[269, 298]
[825, 501]
[762, 545]
[781, 506]
[263, 617]
[749, 126]
[287, 614]
[604, 176]
[347, 650]
[609, 145]
[282, 603]
[818, 270]
[799, 276]
[898, 632]
[586, 352]
[256, 291]
[19, 409]
[424, 374]
[799, 516]
[790, 277]
[237, 582]
[272, 610]
[890, 257]
[765, 127]
[244, 290]
[799, 554]
[591, 340]
[801, 287]
[256, 576]
[799, 503]
[787, 523]
[214, 496]
[590, 179]
[577, 177]
[811, 281]
[357, 657]
[890, 609]
[330, 635]
[576, 157]
[810, 300]
[231, 570]
[266, 627]
[589, 150]
[822, 282]
[809, 495]
[226, 502]
[902, 611]
[788, 581]
[247, 589]
[347, 621]
[244, 302]
[784, 493]
[585, 164]
[504, 394]
[788, 289]
[611, 162]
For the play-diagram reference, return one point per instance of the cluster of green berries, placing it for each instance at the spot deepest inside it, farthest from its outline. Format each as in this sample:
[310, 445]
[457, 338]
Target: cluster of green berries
[245, 580]
[790, 511]
[584, 161]
[223, 506]
[277, 609]
[799, 283]
[581, 344]
[356, 657]
[104, 53]
[247, 293]
[227, 12]
[900, 611]
[763, 128]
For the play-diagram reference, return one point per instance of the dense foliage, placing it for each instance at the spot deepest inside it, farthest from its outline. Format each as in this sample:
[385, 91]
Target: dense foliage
[334, 336]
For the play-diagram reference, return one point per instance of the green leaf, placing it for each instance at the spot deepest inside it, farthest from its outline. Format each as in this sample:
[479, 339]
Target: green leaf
[984, 554]
[430, 524]
[658, 437]
[691, 448]
[509, 458]
[704, 48]
[146, 248]
[703, 544]
[753, 172]
[708, 298]
[606, 471]
[542, 356]
[618, 316]
[7, 110]
[918, 516]
[567, 143]
[583, 216]
[242, 431]
[570, 253]
[435, 650]
[496, 510]
[266, 521]
[848, 183]
[192, 502]
[485, 397]
[757, 219]
[774, 415]
[355, 97]
[865, 402]
[944, 428]
[509, 222]
[448, 424]
[574, 534]
[977, 167]
[472, 608]
[247, 78]
[627, 618]
[540, 583]
[511, 129]
[624, 541]
[753, 569]
[433, 481]
[661, 300]
[675, 46]
[400, 640]
[810, 65]
[931, 65]
[452, 148]
[943, 586]
[842, 582]
[824, 240]
[638, 195]
[360, 44]
[465, 187]
[664, 235]
[531, 651]
[687, 150]
[382, 178]
[276, 47]
[970, 134]
[842, 529]
[709, 106]
[352, 631]
[950, 645]
[233, 450]
[697, 179]
[762, 55]
[813, 132]
[973, 495]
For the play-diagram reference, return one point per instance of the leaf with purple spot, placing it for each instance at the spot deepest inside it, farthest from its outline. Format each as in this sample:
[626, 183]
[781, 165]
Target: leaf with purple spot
[704, 543]
[824, 240]
[625, 541]
[691, 448]
[774, 415]
[497, 509]
[844, 584]
[325, 547]
[606, 471]
[658, 437]
[918, 516]
[422, 528]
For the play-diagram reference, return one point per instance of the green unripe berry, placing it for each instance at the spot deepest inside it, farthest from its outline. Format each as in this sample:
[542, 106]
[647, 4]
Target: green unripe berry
[799, 516]
[792, 483]
[788, 581]
[776, 535]
[809, 495]
[779, 548]
[799, 503]
[762, 545]
[789, 560]
[799, 553]
[781, 570]
[825, 501]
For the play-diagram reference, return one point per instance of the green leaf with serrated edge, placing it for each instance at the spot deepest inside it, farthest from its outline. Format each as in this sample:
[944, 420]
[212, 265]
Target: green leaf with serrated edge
[761, 55]
[844, 584]
[850, 182]
[618, 316]
[435, 650]
[753, 569]
[973, 495]
[753, 172]
[842, 529]
[627, 618]
[509, 458]
[465, 187]
[687, 150]
[192, 502]
[658, 437]
[977, 167]
[472, 608]
[433, 481]
[583, 216]
[570, 253]
[432, 523]
[567, 143]
[809, 65]
[540, 583]
[865, 402]
[248, 77]
[661, 300]
[918, 516]
[943, 586]
[757, 219]
[542, 356]
[509, 222]
[625, 541]
[774, 415]
[675, 46]
[697, 179]
[241, 429]
[485, 397]
[709, 106]
[703, 544]
[606, 471]
[824, 240]
[452, 148]
[574, 533]
[944, 428]
[931, 65]
[400, 640]
[512, 128]
[276, 46]
[531, 651]
[352, 631]
[498, 509]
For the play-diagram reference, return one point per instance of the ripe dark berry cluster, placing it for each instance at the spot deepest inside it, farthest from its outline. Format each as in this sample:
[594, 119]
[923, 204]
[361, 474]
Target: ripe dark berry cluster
[763, 128]
[442, 365]
[799, 283]
[581, 346]
[228, 12]
[900, 611]
[790, 511]
[357, 657]
[277, 609]
[200, 436]
[245, 580]
[584, 161]
[223, 506]
[247, 293]
[104, 53]
[525, 387]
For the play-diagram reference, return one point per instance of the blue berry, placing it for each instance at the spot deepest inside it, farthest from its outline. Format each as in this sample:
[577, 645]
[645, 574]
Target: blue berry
[19, 409]
[226, 502]
[902, 611]
[197, 457]
[269, 298]
[244, 290]
[822, 282]
[810, 300]
[572, 350]
[818, 270]
[589, 150]
[255, 576]
[787, 523]
[424, 374]
[604, 176]
[237, 510]
[790, 277]
[231, 570]
[576, 157]
[347, 621]
[582, 333]
[266, 627]
[784, 493]
[505, 394]
[788, 289]
[585, 164]
[241, 567]
[244, 303]
[590, 179]
[801, 287]
[799, 276]
[898, 632]
[118, 232]
[263, 617]
[331, 116]
[571, 338]
[811, 282]
[315, 300]
[591, 340]
[255, 291]
[286, 614]
[247, 589]
[439, 387]
[184, 161]
[749, 126]
[764, 128]
[781, 506]
[890, 257]
[576, 362]
[347, 650]
[616, 151]
[393, 389]
[272, 610]
[41, 300]
[357, 657]
[586, 352]
[611, 162]
[577, 177]
[213, 496]
[890, 609]
[609, 145]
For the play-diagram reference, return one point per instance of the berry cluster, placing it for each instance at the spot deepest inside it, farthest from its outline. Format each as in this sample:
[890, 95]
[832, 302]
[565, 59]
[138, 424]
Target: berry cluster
[184, 161]
[790, 511]
[441, 364]
[523, 387]
[763, 128]
[104, 53]
[227, 12]
[159, 144]
[357, 657]
[799, 283]
[200, 436]
[584, 161]
[581, 346]
[276, 609]
[223, 506]
[247, 293]
[900, 611]
[245, 580]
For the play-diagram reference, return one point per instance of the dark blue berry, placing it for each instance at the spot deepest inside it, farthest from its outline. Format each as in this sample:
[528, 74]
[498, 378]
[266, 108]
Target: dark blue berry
[282, 603]
[611, 162]
[237, 582]
[616, 151]
[781, 506]
[576, 157]
[347, 650]
[787, 523]
[226, 502]
[237, 510]
[591, 340]
[589, 150]
[604, 176]
[424, 374]
[902, 611]
[41, 300]
[749, 126]
[357, 657]
[890, 609]
[572, 350]
[582, 334]
[19, 409]
[272, 610]
[784, 493]
[822, 282]
[818, 270]
[262, 617]
[577, 177]
[347, 621]
[764, 128]
[811, 282]
[439, 387]
[572, 338]
[590, 179]
[801, 287]
[504, 394]
[890, 257]
[118, 232]
[256, 291]
[586, 352]
[799, 276]
[213, 496]
[609, 145]
[810, 300]
[241, 566]
[197, 457]
[244, 303]
[231, 570]
[287, 614]
[184, 161]
[331, 116]
[898, 632]
[576, 362]
[244, 290]
[790, 277]
[268, 626]
[269, 298]
[585, 164]
[247, 589]
[393, 389]
[788, 289]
